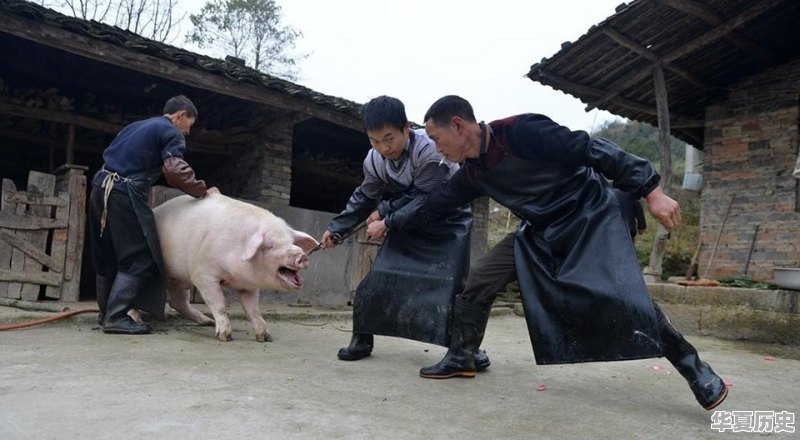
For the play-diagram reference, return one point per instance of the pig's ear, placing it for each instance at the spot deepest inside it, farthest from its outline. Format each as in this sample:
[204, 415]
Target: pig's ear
[255, 243]
[304, 241]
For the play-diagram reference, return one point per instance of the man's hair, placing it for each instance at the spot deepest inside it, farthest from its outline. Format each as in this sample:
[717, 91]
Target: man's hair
[383, 110]
[446, 108]
[180, 103]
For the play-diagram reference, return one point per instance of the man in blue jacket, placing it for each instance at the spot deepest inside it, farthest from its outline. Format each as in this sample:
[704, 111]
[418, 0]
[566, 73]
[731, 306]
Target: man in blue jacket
[123, 238]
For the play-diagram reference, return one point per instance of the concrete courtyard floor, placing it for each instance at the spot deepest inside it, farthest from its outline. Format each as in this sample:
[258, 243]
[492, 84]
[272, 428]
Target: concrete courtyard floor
[66, 381]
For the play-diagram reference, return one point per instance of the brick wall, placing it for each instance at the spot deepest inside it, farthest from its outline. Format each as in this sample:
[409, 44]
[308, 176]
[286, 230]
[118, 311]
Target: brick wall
[263, 172]
[751, 143]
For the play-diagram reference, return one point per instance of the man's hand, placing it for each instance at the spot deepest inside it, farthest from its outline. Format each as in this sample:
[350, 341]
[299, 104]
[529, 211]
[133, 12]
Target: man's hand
[663, 208]
[376, 230]
[327, 240]
[375, 216]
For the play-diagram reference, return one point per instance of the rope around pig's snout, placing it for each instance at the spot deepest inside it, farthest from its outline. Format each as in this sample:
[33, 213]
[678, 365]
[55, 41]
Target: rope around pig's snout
[56, 317]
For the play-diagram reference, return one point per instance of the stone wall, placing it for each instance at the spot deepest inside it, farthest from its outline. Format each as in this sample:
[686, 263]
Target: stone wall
[262, 172]
[751, 144]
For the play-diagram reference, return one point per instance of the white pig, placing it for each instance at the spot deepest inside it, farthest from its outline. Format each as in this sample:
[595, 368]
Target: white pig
[218, 241]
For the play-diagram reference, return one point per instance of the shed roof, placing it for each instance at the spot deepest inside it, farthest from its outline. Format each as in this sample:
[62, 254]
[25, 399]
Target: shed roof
[13, 14]
[705, 46]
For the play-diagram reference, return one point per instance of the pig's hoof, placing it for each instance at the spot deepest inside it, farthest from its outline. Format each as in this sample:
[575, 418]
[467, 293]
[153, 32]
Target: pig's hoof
[264, 338]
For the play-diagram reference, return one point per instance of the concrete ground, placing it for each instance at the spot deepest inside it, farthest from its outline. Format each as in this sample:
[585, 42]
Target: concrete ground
[66, 381]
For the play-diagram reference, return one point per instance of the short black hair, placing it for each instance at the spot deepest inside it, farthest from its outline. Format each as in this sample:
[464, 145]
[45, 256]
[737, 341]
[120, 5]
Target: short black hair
[447, 107]
[180, 103]
[383, 110]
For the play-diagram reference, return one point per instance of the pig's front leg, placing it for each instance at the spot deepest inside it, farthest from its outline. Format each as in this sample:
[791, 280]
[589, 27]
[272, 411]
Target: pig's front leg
[249, 299]
[211, 291]
[179, 300]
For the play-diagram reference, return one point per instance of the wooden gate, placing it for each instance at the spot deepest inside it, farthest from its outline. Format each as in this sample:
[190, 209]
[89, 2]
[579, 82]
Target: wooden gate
[41, 236]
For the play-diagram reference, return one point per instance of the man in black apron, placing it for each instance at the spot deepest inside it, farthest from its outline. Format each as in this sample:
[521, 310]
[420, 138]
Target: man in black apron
[409, 289]
[123, 238]
[582, 292]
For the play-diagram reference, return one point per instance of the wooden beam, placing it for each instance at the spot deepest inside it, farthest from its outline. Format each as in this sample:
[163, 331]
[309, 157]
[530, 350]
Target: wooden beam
[44, 114]
[563, 84]
[710, 16]
[28, 249]
[29, 223]
[132, 60]
[626, 42]
[32, 199]
[709, 37]
[45, 278]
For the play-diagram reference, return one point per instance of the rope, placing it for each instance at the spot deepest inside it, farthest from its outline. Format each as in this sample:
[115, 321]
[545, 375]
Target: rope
[56, 317]
[108, 184]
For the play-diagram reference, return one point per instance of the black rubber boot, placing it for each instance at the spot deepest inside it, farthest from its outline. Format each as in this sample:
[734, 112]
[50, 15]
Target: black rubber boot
[708, 388]
[466, 333]
[102, 290]
[359, 348]
[482, 361]
[120, 300]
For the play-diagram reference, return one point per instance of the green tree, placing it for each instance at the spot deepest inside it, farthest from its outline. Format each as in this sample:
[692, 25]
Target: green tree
[250, 30]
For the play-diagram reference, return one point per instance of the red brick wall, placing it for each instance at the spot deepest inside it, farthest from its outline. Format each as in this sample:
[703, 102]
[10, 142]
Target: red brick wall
[751, 143]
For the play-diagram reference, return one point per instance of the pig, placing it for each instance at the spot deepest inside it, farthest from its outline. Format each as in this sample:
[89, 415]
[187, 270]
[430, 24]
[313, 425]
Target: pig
[218, 241]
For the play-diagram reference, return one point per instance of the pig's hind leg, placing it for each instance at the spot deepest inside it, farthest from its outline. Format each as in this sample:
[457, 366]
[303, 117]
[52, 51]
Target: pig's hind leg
[211, 291]
[179, 294]
[249, 299]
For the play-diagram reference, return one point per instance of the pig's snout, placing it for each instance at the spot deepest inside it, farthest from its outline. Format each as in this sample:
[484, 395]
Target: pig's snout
[302, 261]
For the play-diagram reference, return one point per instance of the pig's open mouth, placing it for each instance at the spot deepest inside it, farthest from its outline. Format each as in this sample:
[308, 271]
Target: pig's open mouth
[290, 277]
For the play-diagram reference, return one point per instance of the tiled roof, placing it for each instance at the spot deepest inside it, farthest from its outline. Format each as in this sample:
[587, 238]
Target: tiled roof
[705, 46]
[120, 37]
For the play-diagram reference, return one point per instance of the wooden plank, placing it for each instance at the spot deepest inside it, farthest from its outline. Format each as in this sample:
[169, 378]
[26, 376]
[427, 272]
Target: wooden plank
[45, 185]
[58, 247]
[626, 42]
[76, 187]
[31, 278]
[26, 248]
[5, 248]
[32, 199]
[29, 222]
[17, 257]
[711, 17]
[132, 60]
[704, 40]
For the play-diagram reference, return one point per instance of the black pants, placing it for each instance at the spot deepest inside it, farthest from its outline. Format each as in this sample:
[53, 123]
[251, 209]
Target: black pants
[122, 247]
[489, 275]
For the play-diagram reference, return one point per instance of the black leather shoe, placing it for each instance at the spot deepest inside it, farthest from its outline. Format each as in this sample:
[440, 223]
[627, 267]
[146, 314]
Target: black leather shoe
[359, 348]
[127, 326]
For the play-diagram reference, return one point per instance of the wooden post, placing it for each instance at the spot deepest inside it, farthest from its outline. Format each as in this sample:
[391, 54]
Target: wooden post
[70, 153]
[73, 180]
[653, 271]
[45, 185]
[5, 248]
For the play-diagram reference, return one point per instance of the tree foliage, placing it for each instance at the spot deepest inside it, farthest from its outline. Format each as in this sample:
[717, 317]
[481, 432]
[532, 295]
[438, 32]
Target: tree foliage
[250, 30]
[154, 19]
[641, 139]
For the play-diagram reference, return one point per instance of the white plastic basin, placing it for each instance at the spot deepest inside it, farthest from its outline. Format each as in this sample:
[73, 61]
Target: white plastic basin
[787, 277]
